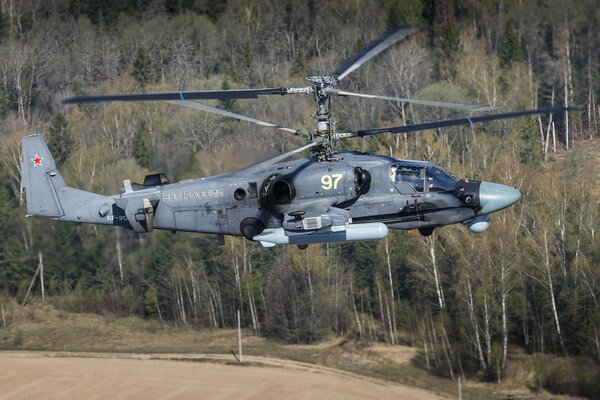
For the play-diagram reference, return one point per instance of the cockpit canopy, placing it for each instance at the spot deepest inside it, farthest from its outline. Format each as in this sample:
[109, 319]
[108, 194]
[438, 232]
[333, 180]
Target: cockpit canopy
[423, 177]
[439, 180]
[412, 173]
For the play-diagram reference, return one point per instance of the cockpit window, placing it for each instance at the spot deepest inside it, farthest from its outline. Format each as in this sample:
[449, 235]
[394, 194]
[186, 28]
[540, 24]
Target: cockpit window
[412, 174]
[439, 180]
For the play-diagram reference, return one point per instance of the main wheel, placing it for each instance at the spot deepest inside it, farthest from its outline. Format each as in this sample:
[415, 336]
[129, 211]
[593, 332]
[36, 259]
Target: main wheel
[251, 227]
[426, 231]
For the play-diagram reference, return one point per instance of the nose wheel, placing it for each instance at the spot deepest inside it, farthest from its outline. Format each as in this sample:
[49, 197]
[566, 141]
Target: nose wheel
[302, 246]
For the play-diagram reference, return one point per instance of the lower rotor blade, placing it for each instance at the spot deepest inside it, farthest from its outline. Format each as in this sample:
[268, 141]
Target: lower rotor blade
[457, 106]
[182, 96]
[279, 157]
[461, 121]
[283, 156]
[215, 110]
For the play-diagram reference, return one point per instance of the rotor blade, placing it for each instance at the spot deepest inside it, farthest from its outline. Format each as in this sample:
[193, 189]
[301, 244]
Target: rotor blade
[283, 156]
[460, 121]
[457, 106]
[197, 95]
[206, 107]
[375, 48]
[277, 158]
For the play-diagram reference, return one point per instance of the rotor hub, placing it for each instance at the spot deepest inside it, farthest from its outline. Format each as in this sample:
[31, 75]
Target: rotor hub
[322, 89]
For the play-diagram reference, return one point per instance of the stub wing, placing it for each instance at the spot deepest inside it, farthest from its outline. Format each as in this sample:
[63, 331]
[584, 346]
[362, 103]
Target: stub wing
[320, 223]
[336, 233]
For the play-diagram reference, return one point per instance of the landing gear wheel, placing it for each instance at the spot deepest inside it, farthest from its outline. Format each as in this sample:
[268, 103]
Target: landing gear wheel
[251, 227]
[426, 231]
[302, 246]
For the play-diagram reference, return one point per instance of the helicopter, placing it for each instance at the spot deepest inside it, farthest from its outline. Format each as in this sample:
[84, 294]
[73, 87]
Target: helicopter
[327, 196]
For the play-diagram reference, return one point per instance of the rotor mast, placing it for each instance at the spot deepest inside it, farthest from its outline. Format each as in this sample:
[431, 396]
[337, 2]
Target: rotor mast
[325, 128]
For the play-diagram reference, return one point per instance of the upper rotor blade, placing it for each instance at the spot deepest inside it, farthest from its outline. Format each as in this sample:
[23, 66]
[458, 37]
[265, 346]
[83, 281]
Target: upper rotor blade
[457, 106]
[461, 121]
[196, 95]
[206, 107]
[375, 48]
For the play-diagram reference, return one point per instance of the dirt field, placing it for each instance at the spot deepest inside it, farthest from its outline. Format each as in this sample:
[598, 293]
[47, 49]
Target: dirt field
[33, 375]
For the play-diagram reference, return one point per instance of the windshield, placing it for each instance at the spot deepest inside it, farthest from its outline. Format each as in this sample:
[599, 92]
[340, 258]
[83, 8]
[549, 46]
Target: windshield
[440, 180]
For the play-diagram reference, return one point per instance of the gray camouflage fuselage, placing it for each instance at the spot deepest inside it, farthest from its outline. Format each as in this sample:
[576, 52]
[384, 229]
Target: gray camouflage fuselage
[208, 205]
[354, 196]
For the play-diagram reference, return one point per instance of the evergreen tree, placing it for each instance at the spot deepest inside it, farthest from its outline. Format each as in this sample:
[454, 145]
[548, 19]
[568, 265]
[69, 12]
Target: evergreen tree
[404, 13]
[106, 12]
[65, 257]
[5, 212]
[211, 8]
[531, 150]
[442, 15]
[398, 248]
[363, 255]
[151, 305]
[214, 8]
[448, 51]
[3, 25]
[60, 140]
[228, 104]
[157, 265]
[511, 50]
[4, 102]
[248, 58]
[142, 69]
[6, 206]
[13, 272]
[142, 146]
[446, 37]
[299, 65]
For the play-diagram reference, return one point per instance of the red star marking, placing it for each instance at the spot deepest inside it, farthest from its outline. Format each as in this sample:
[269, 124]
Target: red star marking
[37, 160]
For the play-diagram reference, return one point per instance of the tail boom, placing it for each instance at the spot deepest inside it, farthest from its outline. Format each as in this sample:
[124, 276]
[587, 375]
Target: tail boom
[46, 192]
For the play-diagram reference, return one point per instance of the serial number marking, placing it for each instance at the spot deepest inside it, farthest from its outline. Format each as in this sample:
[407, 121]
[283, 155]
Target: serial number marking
[330, 181]
[193, 194]
[116, 218]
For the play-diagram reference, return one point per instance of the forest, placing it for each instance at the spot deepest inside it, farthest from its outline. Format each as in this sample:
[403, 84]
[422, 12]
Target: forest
[530, 283]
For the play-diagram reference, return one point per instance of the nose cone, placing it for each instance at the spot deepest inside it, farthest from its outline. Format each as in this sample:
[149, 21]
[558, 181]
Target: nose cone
[494, 197]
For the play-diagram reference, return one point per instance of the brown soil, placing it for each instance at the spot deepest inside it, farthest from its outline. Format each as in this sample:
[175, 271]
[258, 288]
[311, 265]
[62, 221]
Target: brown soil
[50, 375]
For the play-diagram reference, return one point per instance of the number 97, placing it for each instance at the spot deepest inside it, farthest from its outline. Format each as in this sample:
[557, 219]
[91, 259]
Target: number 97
[330, 181]
[327, 182]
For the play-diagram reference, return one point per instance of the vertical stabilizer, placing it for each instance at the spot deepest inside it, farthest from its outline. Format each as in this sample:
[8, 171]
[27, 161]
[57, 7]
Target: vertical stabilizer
[40, 179]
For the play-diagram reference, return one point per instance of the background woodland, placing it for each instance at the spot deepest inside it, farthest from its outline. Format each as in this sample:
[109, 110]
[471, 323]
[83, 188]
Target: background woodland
[530, 283]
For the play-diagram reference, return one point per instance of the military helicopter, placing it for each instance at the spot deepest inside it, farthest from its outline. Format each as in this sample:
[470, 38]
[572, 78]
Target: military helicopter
[327, 196]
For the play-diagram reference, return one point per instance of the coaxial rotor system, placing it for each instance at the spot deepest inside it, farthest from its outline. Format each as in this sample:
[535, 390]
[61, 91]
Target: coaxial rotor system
[323, 89]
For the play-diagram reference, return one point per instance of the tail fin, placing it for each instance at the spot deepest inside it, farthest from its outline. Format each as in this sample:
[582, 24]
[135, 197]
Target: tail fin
[40, 179]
